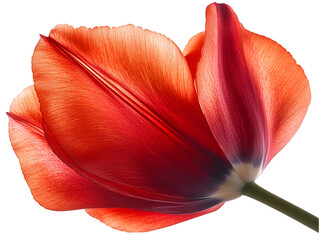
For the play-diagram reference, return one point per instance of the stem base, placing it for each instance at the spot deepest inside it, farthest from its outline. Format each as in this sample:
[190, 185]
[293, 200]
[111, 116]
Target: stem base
[256, 192]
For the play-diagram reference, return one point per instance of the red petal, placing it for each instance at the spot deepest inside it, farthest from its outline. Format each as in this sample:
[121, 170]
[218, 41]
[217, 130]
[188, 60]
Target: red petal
[53, 184]
[193, 50]
[130, 220]
[279, 85]
[120, 108]
[228, 94]
[284, 88]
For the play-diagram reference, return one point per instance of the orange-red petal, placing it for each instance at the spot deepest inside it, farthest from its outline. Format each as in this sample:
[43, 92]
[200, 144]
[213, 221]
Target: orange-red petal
[120, 107]
[130, 220]
[283, 85]
[193, 50]
[53, 184]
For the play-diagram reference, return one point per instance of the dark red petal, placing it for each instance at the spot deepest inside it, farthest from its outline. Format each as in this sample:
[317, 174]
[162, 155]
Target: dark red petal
[228, 93]
[253, 85]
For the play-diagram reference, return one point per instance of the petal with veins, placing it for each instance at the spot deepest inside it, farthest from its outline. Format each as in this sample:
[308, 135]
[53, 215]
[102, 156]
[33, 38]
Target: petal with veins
[251, 90]
[55, 185]
[227, 92]
[283, 85]
[119, 106]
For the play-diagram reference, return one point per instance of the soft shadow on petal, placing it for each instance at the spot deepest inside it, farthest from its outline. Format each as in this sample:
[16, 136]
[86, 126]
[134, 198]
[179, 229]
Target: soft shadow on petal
[130, 220]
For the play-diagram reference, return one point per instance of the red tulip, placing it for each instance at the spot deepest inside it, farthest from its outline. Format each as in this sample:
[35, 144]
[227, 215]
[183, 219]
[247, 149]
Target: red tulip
[115, 124]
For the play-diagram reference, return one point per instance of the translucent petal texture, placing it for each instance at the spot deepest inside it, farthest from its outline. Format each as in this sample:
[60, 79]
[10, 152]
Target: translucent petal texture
[251, 90]
[192, 51]
[120, 108]
[131, 220]
[58, 187]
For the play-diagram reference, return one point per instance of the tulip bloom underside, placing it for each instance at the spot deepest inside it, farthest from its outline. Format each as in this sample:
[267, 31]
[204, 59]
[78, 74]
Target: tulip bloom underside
[123, 124]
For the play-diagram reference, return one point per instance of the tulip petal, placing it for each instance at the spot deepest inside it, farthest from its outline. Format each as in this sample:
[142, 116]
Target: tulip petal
[119, 107]
[130, 220]
[258, 90]
[56, 186]
[192, 51]
[53, 184]
[284, 88]
[227, 92]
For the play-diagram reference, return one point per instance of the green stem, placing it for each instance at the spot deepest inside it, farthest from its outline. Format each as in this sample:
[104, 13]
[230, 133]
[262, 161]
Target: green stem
[256, 192]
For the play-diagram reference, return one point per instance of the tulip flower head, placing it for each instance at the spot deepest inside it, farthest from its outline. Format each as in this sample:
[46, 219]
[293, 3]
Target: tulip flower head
[123, 124]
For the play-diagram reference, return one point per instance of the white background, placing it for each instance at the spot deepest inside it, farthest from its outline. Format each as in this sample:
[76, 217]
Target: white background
[293, 173]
